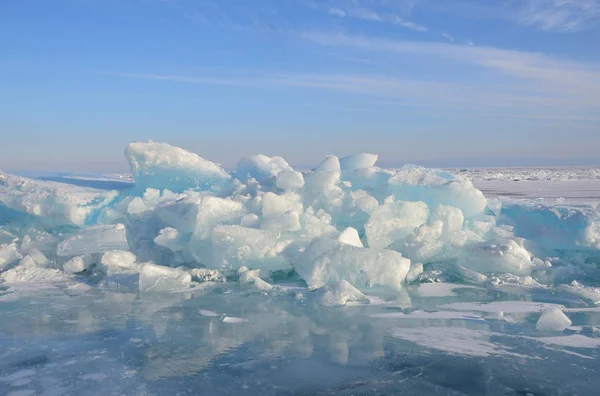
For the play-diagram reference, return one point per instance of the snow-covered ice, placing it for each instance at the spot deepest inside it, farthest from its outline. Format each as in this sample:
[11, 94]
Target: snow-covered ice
[345, 279]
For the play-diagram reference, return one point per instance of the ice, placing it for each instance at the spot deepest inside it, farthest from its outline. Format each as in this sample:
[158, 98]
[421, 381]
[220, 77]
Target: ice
[358, 161]
[119, 262]
[350, 237]
[233, 320]
[393, 221]
[288, 221]
[555, 227]
[273, 204]
[497, 256]
[553, 320]
[435, 187]
[279, 280]
[290, 180]
[207, 275]
[78, 264]
[440, 289]
[331, 261]
[339, 293]
[331, 164]
[181, 214]
[235, 246]
[53, 203]
[457, 341]
[159, 278]
[416, 269]
[207, 313]
[261, 167]
[29, 271]
[452, 218]
[162, 166]
[9, 254]
[172, 239]
[588, 293]
[94, 239]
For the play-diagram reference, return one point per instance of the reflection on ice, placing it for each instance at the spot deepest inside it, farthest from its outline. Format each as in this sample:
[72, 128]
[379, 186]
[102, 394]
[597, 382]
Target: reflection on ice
[236, 342]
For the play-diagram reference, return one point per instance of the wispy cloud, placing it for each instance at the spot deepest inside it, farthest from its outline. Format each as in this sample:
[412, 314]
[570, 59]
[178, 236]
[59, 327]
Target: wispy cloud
[448, 37]
[559, 15]
[461, 98]
[533, 66]
[373, 11]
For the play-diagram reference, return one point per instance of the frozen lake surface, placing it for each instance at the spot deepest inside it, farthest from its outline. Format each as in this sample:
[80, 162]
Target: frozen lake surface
[506, 304]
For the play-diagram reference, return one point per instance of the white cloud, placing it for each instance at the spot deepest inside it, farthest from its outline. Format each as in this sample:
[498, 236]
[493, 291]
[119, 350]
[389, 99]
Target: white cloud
[374, 11]
[559, 15]
[337, 12]
[553, 81]
[448, 37]
[466, 98]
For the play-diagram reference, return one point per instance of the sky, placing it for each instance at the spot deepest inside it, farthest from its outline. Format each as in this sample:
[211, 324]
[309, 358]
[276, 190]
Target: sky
[442, 83]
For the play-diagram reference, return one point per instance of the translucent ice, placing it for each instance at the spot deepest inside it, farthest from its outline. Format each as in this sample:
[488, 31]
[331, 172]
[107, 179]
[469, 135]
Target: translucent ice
[497, 256]
[162, 166]
[29, 271]
[94, 239]
[339, 293]
[331, 163]
[261, 167]
[172, 239]
[393, 221]
[434, 187]
[553, 320]
[290, 180]
[358, 161]
[119, 262]
[350, 237]
[9, 254]
[347, 220]
[78, 264]
[331, 261]
[235, 246]
[288, 221]
[162, 279]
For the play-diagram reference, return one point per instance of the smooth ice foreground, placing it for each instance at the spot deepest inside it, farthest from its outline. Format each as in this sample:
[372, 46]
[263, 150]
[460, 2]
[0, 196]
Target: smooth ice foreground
[266, 280]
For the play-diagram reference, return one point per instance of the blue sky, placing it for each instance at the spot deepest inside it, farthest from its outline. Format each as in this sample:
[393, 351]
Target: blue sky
[434, 82]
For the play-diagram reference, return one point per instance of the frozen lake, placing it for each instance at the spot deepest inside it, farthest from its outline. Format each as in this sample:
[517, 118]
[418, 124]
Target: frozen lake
[452, 330]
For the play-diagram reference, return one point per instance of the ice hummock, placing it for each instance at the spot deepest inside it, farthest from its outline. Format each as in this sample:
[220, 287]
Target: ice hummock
[347, 220]
[312, 275]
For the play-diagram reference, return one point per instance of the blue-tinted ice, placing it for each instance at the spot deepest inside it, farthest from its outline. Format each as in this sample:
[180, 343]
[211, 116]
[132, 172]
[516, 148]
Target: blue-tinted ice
[348, 279]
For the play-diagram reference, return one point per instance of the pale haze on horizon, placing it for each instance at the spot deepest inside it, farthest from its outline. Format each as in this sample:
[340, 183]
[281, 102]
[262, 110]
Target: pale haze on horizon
[432, 82]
